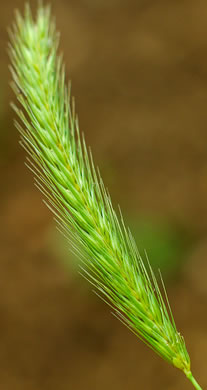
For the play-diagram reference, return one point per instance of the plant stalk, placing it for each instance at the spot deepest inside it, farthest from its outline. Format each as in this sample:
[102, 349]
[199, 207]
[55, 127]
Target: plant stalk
[193, 381]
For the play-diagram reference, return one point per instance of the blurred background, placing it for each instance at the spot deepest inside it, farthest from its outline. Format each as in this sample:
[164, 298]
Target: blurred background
[139, 75]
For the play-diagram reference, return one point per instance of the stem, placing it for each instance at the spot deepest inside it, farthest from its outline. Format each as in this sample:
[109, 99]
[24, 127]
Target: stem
[193, 381]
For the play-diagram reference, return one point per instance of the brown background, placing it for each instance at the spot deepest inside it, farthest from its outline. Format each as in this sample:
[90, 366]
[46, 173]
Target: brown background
[139, 75]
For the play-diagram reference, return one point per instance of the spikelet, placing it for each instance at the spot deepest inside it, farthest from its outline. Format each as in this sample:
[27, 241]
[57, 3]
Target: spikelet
[65, 173]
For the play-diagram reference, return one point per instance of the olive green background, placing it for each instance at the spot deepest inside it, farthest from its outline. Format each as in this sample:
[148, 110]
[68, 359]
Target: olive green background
[139, 75]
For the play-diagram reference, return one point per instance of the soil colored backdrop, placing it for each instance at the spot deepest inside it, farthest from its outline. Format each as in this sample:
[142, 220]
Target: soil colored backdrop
[139, 76]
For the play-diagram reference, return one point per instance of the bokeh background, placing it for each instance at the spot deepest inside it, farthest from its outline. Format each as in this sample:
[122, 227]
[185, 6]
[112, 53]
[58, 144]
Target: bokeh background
[139, 75]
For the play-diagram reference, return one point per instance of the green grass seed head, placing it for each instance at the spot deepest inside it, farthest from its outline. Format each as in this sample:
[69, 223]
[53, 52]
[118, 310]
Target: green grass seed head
[66, 175]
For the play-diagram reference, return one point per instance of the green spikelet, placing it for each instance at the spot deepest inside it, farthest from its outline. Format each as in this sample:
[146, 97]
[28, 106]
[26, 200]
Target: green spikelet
[65, 173]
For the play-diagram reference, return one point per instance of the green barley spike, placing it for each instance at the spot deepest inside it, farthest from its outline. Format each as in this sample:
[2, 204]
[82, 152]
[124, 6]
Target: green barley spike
[66, 175]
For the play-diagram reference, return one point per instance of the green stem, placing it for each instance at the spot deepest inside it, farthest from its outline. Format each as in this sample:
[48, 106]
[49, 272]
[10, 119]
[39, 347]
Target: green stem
[193, 381]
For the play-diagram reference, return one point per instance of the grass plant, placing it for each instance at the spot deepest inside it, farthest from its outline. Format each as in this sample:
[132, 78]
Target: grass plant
[65, 173]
